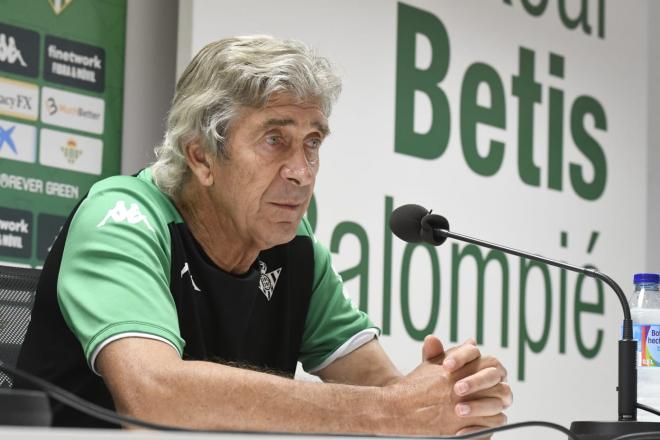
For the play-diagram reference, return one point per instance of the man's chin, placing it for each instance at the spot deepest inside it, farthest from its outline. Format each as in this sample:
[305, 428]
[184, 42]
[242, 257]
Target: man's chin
[283, 232]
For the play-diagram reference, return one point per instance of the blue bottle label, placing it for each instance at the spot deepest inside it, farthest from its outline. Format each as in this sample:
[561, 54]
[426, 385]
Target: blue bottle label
[648, 344]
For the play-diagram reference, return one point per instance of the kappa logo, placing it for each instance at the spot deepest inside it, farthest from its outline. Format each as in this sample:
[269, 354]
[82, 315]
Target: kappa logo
[186, 270]
[9, 53]
[131, 215]
[268, 280]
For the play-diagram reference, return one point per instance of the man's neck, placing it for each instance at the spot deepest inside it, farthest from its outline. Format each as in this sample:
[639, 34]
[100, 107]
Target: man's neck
[217, 235]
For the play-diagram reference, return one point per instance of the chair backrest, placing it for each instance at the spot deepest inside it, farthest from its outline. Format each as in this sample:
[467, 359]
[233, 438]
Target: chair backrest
[17, 289]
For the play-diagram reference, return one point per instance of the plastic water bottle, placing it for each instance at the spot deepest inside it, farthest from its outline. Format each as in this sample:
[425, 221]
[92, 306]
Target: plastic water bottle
[645, 311]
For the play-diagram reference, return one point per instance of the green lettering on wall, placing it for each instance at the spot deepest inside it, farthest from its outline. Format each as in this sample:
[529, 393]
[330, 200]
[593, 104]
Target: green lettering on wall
[562, 311]
[556, 127]
[601, 18]
[473, 114]
[387, 267]
[583, 106]
[524, 339]
[586, 307]
[581, 19]
[528, 92]
[414, 332]
[429, 145]
[362, 268]
[312, 213]
[480, 263]
[535, 9]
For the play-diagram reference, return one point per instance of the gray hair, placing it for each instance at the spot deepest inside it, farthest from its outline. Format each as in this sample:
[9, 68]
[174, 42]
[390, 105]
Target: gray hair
[224, 77]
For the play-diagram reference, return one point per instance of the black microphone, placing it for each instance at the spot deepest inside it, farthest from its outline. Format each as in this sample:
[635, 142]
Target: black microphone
[415, 224]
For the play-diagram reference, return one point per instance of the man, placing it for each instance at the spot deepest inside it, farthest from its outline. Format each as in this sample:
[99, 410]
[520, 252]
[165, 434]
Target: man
[161, 287]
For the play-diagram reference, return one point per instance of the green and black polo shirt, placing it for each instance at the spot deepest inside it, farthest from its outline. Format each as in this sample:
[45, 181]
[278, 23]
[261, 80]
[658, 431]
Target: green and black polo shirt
[125, 264]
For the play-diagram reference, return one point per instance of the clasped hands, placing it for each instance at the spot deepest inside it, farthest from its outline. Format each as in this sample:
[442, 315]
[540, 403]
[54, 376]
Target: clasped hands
[455, 391]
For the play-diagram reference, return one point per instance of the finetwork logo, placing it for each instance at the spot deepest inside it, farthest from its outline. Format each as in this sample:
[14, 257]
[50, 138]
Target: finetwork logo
[19, 50]
[74, 64]
[15, 232]
[70, 150]
[9, 53]
[131, 215]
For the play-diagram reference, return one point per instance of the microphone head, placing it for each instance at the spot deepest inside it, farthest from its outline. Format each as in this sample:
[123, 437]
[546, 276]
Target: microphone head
[429, 223]
[406, 222]
[414, 224]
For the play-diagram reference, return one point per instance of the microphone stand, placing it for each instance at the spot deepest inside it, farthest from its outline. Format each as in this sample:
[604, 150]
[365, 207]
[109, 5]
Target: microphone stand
[627, 388]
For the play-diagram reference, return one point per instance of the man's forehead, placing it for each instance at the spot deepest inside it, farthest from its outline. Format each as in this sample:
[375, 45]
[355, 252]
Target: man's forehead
[318, 123]
[283, 109]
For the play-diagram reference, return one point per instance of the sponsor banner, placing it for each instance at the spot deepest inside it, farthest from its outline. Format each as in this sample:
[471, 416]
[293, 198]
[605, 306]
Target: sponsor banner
[15, 233]
[19, 50]
[61, 72]
[17, 141]
[48, 226]
[74, 64]
[70, 151]
[72, 110]
[34, 185]
[19, 99]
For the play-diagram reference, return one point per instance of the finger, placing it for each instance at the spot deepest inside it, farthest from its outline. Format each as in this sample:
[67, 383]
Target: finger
[481, 380]
[459, 356]
[432, 348]
[472, 429]
[479, 423]
[489, 406]
[500, 391]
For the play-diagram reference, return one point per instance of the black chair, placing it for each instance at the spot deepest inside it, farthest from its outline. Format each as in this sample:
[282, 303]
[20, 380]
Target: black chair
[17, 289]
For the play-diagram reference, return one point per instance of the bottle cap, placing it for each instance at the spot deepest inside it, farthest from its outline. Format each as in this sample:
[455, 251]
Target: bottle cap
[646, 278]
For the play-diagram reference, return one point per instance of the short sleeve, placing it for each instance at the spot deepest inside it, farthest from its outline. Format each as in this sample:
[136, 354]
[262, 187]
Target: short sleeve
[114, 276]
[333, 322]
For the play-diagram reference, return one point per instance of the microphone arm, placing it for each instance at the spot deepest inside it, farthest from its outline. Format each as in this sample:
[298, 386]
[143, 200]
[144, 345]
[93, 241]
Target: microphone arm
[627, 387]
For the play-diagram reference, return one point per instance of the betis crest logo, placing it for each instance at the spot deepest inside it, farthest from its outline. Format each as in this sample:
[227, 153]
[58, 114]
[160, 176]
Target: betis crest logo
[71, 151]
[59, 5]
[268, 280]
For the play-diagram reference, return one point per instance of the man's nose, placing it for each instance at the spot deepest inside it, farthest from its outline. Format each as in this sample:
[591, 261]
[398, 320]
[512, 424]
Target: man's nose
[299, 169]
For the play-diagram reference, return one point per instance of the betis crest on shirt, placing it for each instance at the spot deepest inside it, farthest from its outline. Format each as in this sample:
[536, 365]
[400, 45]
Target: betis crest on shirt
[268, 280]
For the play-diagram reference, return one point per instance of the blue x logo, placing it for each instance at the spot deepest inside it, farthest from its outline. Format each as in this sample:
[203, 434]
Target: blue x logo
[5, 136]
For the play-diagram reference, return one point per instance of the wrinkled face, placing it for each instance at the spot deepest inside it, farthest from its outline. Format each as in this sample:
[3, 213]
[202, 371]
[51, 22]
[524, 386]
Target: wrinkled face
[265, 186]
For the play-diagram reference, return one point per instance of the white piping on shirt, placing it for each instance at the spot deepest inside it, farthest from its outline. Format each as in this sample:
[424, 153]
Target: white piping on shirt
[102, 345]
[357, 341]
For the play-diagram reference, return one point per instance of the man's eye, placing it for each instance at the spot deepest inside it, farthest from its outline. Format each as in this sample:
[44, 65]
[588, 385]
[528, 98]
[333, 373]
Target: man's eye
[273, 140]
[314, 143]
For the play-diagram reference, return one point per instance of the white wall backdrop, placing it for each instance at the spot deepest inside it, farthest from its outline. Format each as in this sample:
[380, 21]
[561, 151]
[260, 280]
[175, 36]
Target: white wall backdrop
[560, 347]
[149, 78]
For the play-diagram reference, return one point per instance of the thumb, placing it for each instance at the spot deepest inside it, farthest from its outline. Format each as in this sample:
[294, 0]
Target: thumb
[432, 348]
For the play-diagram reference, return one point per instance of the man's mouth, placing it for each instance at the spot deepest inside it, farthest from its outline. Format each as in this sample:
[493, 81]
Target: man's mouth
[291, 206]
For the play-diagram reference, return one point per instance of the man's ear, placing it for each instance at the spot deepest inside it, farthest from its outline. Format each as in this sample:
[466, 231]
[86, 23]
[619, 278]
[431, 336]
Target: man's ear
[200, 162]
